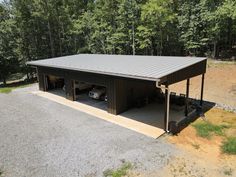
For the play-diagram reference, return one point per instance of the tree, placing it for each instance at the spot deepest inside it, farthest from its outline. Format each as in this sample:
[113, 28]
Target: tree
[226, 15]
[38, 29]
[192, 26]
[156, 15]
[8, 44]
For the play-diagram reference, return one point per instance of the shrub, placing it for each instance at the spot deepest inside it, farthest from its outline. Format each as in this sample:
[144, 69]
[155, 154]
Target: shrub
[229, 145]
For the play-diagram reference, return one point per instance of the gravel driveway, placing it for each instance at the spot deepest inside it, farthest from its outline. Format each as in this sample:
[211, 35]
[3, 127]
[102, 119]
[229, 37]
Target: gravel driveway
[39, 138]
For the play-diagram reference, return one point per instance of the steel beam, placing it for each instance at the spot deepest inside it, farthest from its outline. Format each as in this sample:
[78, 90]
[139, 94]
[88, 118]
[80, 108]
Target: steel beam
[167, 108]
[186, 99]
[202, 89]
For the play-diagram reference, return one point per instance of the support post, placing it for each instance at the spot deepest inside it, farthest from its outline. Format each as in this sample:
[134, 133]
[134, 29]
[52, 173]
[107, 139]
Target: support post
[42, 80]
[202, 88]
[69, 86]
[167, 108]
[186, 99]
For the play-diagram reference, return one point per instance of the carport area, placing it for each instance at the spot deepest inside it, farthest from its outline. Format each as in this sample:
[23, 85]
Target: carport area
[85, 93]
[85, 99]
[153, 114]
[132, 87]
[147, 120]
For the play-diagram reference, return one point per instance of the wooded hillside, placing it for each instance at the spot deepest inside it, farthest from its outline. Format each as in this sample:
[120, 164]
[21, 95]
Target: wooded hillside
[36, 29]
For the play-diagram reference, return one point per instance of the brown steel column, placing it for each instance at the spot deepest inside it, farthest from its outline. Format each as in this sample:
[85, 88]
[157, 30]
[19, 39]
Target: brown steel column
[186, 99]
[42, 80]
[69, 86]
[202, 88]
[167, 106]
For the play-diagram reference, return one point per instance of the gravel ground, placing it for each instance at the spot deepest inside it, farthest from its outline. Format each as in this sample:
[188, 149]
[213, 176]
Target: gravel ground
[39, 137]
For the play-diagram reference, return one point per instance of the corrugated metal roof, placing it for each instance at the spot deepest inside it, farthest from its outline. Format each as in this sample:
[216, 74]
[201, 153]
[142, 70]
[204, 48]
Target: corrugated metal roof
[138, 66]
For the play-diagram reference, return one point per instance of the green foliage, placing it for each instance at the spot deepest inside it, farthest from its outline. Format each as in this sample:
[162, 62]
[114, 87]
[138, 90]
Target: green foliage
[156, 15]
[8, 43]
[229, 146]
[228, 172]
[7, 90]
[206, 129]
[122, 171]
[37, 29]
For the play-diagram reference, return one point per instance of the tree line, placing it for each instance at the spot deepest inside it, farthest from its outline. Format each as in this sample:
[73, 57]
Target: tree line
[37, 29]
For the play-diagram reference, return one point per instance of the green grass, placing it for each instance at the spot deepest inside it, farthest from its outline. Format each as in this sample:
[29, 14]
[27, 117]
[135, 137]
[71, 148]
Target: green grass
[229, 146]
[122, 171]
[206, 129]
[228, 172]
[1, 172]
[7, 90]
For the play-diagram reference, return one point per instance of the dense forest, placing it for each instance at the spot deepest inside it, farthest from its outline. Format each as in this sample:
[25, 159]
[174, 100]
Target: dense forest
[37, 29]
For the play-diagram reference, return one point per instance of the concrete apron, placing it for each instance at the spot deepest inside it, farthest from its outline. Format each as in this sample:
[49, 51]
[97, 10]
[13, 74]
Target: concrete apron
[122, 121]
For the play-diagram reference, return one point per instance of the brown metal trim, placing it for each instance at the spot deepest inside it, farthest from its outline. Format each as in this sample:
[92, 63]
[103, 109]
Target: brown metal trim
[187, 97]
[188, 72]
[166, 115]
[202, 89]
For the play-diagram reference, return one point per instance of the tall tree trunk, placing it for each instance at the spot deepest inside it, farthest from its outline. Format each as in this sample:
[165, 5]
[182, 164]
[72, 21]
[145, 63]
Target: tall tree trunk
[75, 44]
[4, 81]
[133, 45]
[60, 43]
[51, 40]
[161, 46]
[28, 77]
[59, 31]
[214, 50]
[49, 28]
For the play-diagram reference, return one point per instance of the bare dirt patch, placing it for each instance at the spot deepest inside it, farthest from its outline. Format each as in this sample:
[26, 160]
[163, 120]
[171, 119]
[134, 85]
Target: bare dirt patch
[201, 156]
[205, 154]
[220, 84]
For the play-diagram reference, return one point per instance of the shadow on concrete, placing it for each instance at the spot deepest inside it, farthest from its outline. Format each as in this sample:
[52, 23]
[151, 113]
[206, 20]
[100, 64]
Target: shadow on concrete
[82, 98]
[153, 114]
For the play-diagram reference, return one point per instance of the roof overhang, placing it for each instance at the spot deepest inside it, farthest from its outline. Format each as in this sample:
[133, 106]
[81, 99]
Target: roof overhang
[163, 70]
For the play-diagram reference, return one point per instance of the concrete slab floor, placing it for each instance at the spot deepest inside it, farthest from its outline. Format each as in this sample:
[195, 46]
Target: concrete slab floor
[151, 114]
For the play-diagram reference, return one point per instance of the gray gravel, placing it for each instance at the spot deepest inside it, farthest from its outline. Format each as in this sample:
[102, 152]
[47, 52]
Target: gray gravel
[39, 137]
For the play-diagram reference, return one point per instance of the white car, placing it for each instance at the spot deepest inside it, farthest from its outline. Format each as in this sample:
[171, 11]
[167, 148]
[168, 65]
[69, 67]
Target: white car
[97, 92]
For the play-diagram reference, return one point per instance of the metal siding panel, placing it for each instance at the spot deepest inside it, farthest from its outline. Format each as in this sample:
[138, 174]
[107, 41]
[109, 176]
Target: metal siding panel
[111, 96]
[41, 80]
[69, 87]
[121, 95]
[186, 73]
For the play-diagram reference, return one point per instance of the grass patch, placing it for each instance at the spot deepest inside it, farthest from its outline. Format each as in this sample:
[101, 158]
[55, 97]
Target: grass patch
[1, 172]
[196, 146]
[7, 90]
[219, 63]
[206, 129]
[228, 172]
[229, 146]
[122, 171]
